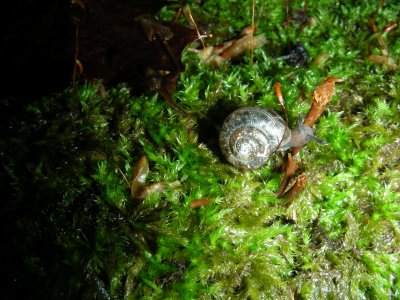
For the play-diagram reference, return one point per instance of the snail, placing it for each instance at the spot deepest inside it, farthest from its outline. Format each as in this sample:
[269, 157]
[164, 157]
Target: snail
[250, 135]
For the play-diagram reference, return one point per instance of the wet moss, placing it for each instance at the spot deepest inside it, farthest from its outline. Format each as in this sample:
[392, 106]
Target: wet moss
[339, 238]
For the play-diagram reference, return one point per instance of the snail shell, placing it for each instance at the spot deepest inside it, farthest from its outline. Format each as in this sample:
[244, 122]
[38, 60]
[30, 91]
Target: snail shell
[250, 135]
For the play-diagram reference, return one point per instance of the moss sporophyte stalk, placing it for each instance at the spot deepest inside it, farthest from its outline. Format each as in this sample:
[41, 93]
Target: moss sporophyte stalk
[117, 194]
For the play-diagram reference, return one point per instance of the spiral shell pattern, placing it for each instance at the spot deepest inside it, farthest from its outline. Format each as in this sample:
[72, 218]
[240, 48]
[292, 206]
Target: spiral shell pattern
[250, 135]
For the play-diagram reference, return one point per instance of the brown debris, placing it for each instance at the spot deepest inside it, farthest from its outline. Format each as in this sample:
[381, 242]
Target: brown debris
[127, 44]
[140, 173]
[80, 4]
[80, 66]
[138, 187]
[384, 60]
[113, 47]
[278, 92]
[217, 55]
[389, 28]
[199, 202]
[321, 97]
[189, 18]
[154, 30]
[291, 168]
[296, 188]
[157, 187]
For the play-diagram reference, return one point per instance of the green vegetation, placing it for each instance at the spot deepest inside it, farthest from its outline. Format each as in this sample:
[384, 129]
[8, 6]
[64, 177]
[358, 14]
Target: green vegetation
[338, 239]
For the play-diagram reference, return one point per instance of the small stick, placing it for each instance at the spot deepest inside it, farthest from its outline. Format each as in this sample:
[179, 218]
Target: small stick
[287, 11]
[188, 14]
[278, 94]
[303, 19]
[123, 175]
[291, 168]
[253, 5]
[393, 26]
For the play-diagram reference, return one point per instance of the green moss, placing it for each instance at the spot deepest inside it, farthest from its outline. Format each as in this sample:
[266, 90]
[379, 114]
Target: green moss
[338, 239]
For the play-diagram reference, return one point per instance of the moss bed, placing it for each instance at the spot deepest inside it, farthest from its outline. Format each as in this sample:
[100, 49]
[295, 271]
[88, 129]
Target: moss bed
[73, 230]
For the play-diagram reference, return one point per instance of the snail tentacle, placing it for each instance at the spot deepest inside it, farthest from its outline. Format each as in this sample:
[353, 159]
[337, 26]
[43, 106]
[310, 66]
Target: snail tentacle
[303, 134]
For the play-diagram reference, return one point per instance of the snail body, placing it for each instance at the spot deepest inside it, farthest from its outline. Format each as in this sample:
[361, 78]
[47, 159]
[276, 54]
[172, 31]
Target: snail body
[250, 135]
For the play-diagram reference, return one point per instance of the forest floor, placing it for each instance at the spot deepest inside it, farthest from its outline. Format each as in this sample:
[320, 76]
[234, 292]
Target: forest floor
[71, 226]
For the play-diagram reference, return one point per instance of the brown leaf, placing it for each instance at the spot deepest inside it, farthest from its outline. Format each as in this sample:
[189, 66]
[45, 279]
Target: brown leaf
[199, 202]
[157, 187]
[320, 98]
[296, 188]
[139, 176]
[139, 190]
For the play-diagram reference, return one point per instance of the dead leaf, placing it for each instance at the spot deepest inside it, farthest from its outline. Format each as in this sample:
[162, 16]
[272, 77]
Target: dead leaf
[386, 61]
[157, 187]
[320, 98]
[199, 202]
[139, 190]
[217, 55]
[139, 176]
[296, 188]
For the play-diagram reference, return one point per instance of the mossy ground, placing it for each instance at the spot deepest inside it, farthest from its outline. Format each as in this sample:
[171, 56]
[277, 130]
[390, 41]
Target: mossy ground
[338, 239]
